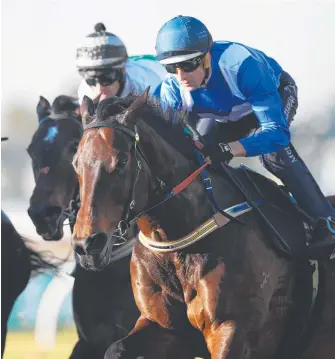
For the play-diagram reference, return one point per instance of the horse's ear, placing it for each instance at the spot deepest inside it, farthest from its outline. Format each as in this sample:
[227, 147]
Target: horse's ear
[140, 100]
[86, 110]
[43, 108]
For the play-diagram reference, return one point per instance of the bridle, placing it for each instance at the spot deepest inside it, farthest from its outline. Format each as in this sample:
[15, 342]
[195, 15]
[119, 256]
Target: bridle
[126, 222]
[160, 186]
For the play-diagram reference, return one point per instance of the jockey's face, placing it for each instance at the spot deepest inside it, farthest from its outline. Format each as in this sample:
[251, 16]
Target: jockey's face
[104, 84]
[105, 91]
[191, 80]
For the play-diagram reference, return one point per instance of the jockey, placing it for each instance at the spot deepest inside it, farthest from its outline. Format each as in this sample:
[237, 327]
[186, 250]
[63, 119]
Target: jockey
[103, 62]
[223, 84]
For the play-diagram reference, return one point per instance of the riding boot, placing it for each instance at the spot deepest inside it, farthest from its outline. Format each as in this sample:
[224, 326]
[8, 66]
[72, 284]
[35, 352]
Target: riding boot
[292, 171]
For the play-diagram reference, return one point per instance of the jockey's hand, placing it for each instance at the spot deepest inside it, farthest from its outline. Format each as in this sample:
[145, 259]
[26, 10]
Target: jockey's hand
[218, 152]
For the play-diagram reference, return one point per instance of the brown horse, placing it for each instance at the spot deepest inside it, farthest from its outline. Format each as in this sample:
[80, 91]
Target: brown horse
[51, 150]
[233, 286]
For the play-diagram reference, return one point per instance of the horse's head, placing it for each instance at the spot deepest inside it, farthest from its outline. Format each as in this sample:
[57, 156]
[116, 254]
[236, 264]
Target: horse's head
[118, 162]
[51, 150]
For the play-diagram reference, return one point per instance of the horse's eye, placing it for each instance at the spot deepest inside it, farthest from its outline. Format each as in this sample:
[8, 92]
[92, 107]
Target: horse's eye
[122, 160]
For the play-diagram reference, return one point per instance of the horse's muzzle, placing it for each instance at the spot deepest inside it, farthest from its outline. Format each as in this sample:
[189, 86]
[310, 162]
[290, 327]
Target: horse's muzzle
[47, 220]
[94, 252]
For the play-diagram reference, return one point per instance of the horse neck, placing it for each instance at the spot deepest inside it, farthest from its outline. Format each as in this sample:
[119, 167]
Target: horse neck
[188, 209]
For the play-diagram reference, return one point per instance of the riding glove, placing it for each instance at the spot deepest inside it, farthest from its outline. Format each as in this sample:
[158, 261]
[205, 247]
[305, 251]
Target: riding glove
[218, 152]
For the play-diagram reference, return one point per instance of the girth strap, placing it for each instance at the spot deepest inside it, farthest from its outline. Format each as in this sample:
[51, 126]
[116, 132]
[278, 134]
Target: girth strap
[218, 220]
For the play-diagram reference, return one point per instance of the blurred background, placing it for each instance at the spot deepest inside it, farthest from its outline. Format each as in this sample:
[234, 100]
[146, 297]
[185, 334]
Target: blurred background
[39, 40]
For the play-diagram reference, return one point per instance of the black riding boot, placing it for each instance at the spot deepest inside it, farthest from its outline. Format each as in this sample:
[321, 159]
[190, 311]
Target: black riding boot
[292, 171]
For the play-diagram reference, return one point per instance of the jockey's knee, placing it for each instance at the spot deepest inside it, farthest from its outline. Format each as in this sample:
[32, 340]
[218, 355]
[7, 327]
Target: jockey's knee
[288, 92]
[285, 160]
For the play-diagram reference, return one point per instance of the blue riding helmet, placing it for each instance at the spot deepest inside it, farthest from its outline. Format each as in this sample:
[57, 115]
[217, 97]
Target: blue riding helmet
[182, 38]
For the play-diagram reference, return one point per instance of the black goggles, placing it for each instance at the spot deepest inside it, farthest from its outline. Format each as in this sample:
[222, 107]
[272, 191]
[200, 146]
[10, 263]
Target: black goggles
[104, 78]
[186, 66]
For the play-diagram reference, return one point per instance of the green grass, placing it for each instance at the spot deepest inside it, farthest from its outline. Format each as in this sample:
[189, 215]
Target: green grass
[21, 345]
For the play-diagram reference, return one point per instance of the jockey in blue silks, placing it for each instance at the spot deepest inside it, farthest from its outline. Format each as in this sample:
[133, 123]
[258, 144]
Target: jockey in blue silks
[223, 84]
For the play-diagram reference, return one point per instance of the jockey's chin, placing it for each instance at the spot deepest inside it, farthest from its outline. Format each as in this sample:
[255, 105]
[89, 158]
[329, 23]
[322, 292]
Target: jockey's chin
[188, 86]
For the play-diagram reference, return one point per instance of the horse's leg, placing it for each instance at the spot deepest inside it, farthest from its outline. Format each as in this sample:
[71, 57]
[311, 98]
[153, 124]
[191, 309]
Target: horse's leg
[227, 341]
[103, 305]
[236, 307]
[150, 341]
[322, 345]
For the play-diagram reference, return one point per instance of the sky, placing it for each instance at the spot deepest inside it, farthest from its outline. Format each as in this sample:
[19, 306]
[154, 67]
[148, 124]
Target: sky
[39, 38]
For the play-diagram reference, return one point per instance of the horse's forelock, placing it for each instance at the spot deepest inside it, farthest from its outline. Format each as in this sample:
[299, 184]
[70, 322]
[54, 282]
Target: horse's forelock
[64, 103]
[112, 106]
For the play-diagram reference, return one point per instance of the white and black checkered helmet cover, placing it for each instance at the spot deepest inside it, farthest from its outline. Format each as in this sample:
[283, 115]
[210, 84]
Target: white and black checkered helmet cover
[101, 50]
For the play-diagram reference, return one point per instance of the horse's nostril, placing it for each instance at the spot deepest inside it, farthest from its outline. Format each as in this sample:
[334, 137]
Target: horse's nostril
[79, 250]
[53, 212]
[46, 213]
[45, 220]
[96, 242]
[52, 217]
[34, 211]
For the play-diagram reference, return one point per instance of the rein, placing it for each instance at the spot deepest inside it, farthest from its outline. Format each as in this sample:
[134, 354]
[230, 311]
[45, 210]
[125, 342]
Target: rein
[220, 218]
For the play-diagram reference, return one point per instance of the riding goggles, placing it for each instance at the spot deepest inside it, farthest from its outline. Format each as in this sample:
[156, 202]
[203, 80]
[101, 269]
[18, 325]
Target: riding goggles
[186, 66]
[103, 78]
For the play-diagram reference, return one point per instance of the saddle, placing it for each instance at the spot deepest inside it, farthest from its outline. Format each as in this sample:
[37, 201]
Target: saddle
[276, 206]
[275, 203]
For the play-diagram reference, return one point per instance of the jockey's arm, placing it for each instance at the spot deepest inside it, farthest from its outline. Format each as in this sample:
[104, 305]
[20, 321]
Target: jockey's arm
[260, 90]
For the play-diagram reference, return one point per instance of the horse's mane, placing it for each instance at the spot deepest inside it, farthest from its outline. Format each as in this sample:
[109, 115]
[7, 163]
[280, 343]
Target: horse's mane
[168, 124]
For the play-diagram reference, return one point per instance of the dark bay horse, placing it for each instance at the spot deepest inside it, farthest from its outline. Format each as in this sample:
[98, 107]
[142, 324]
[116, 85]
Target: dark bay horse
[51, 150]
[103, 304]
[19, 261]
[232, 286]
